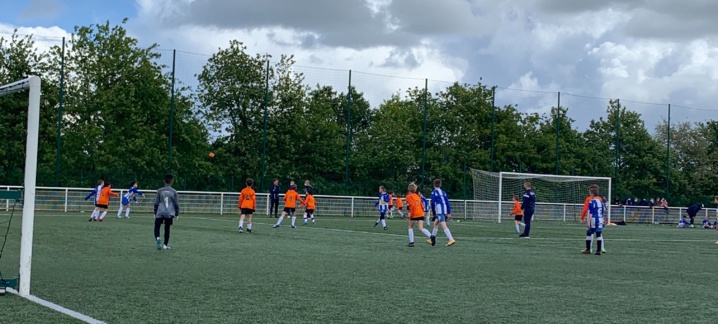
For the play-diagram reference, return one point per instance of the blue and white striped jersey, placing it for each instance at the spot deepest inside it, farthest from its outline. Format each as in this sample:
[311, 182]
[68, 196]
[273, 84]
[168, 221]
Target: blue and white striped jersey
[425, 202]
[440, 202]
[383, 202]
[95, 192]
[131, 193]
[595, 209]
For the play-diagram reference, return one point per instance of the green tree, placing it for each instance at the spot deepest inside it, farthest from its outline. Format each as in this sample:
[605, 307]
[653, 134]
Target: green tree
[387, 153]
[117, 111]
[692, 177]
[640, 157]
[232, 91]
[20, 58]
[543, 140]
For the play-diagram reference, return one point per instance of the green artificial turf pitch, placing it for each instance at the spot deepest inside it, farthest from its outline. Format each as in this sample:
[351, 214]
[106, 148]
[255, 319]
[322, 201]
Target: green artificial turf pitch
[345, 270]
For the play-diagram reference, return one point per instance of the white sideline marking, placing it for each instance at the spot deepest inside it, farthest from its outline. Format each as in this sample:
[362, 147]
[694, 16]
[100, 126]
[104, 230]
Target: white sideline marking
[463, 238]
[58, 308]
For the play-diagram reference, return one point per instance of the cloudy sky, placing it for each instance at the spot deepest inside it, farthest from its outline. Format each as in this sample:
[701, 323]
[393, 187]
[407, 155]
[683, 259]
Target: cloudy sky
[641, 51]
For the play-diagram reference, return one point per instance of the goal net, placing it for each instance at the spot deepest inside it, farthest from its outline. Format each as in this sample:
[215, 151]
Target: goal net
[558, 198]
[32, 85]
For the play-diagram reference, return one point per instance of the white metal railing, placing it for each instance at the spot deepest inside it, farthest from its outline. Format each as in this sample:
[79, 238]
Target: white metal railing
[71, 200]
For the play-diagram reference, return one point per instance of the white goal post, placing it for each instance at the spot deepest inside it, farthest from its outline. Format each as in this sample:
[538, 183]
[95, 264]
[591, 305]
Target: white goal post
[556, 195]
[33, 84]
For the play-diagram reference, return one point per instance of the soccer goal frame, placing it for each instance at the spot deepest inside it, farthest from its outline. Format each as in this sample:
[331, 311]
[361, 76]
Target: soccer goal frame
[33, 84]
[568, 178]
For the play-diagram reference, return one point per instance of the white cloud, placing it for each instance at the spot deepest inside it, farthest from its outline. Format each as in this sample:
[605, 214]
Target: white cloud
[407, 65]
[645, 50]
[44, 37]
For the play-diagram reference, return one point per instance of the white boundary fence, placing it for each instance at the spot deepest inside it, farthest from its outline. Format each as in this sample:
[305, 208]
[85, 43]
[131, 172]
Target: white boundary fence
[71, 200]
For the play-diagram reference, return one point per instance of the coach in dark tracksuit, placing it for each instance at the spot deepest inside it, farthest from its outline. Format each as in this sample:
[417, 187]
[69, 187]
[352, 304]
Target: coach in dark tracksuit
[528, 206]
[693, 211]
[274, 198]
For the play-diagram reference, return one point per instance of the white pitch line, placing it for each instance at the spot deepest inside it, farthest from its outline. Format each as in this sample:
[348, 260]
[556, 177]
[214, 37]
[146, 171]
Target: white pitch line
[56, 307]
[580, 238]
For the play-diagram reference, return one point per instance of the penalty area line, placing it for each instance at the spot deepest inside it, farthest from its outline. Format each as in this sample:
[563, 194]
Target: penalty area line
[58, 308]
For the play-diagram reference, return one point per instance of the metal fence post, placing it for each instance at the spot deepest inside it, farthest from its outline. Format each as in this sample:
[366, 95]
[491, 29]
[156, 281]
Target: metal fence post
[466, 207]
[66, 190]
[59, 114]
[352, 207]
[172, 113]
[564, 213]
[221, 203]
[653, 215]
[624, 214]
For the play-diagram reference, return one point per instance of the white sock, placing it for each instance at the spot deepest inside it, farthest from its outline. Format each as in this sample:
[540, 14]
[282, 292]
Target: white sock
[383, 223]
[103, 215]
[426, 232]
[293, 219]
[411, 235]
[434, 231]
[249, 227]
[127, 212]
[517, 227]
[603, 242]
[119, 212]
[401, 213]
[523, 224]
[281, 218]
[448, 234]
[241, 224]
[94, 214]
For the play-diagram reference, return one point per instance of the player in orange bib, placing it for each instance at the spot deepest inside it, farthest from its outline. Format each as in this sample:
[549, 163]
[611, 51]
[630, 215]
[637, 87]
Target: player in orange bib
[416, 215]
[104, 199]
[400, 206]
[310, 203]
[518, 214]
[247, 205]
[290, 205]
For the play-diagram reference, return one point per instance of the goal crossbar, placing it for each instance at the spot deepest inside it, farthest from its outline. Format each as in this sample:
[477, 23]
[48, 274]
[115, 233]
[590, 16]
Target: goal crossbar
[33, 84]
[567, 177]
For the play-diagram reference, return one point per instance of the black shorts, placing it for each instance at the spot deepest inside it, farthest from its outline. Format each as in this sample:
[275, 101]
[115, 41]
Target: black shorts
[519, 218]
[289, 211]
[401, 208]
[310, 212]
[247, 211]
[167, 221]
[419, 218]
[101, 206]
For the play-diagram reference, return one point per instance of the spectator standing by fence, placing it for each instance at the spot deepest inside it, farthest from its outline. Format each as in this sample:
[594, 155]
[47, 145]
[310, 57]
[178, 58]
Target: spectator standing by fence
[274, 198]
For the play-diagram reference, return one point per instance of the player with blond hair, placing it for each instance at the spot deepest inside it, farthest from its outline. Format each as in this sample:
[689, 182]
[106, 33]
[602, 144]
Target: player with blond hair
[416, 215]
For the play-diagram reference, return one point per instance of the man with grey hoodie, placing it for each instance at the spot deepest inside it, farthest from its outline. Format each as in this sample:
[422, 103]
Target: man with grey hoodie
[166, 210]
